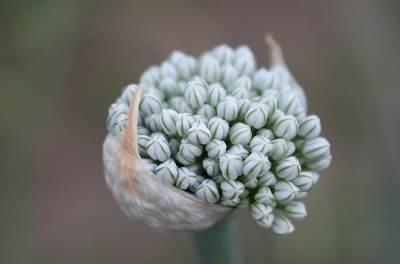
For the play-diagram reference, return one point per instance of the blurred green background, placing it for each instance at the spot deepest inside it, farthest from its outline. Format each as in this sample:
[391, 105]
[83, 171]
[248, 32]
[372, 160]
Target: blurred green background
[63, 62]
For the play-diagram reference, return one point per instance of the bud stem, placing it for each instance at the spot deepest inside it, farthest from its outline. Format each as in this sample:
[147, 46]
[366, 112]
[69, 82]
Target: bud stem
[218, 244]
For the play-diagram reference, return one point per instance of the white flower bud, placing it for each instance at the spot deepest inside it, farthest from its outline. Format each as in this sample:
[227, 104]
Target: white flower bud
[183, 181]
[149, 164]
[196, 93]
[290, 148]
[262, 214]
[117, 117]
[207, 110]
[199, 133]
[211, 166]
[245, 62]
[267, 179]
[243, 107]
[305, 180]
[266, 133]
[286, 127]
[288, 168]
[127, 93]
[310, 127]
[201, 119]
[240, 93]
[184, 160]
[248, 182]
[231, 189]
[240, 134]
[178, 104]
[227, 109]
[158, 148]
[229, 75]
[269, 98]
[153, 122]
[264, 79]
[169, 71]
[210, 69]
[168, 121]
[296, 210]
[255, 165]
[207, 191]
[265, 196]
[176, 56]
[150, 104]
[224, 54]
[316, 148]
[167, 171]
[143, 131]
[174, 146]
[142, 141]
[244, 82]
[279, 149]
[215, 94]
[282, 225]
[231, 166]
[320, 163]
[190, 150]
[289, 103]
[151, 76]
[183, 122]
[261, 144]
[272, 119]
[218, 127]
[238, 150]
[215, 148]
[284, 192]
[186, 67]
[169, 87]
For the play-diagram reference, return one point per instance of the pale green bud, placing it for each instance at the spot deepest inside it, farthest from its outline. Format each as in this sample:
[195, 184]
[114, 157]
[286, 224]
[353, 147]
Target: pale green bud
[190, 150]
[168, 70]
[301, 116]
[207, 191]
[169, 87]
[319, 164]
[255, 165]
[316, 148]
[238, 150]
[176, 56]
[267, 179]
[199, 133]
[261, 144]
[269, 98]
[263, 80]
[201, 119]
[282, 225]
[183, 122]
[243, 107]
[167, 171]
[248, 182]
[305, 180]
[265, 196]
[223, 53]
[158, 148]
[184, 160]
[218, 127]
[230, 202]
[117, 120]
[296, 210]
[229, 75]
[301, 195]
[149, 164]
[290, 148]
[186, 67]
[174, 145]
[183, 181]
[231, 166]
[178, 104]
[245, 62]
[143, 131]
[207, 110]
[153, 122]
[151, 76]
[150, 104]
[262, 214]
[240, 134]
[168, 121]
[210, 69]
[196, 93]
[211, 166]
[126, 95]
[231, 189]
[244, 82]
[142, 141]
[279, 149]
[288, 168]
[215, 148]
[215, 94]
[286, 127]
[285, 192]
[227, 109]
[272, 119]
[240, 93]
[310, 127]
[289, 103]
[266, 133]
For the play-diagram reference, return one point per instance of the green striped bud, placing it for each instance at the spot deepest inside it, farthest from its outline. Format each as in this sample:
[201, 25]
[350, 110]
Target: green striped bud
[289, 103]
[310, 127]
[199, 133]
[168, 121]
[126, 95]
[207, 110]
[282, 225]
[244, 62]
[279, 149]
[264, 132]
[215, 94]
[263, 80]
[151, 76]
[261, 144]
[257, 115]
[186, 67]
[189, 150]
[238, 150]
[229, 75]
[255, 165]
[267, 179]
[231, 166]
[184, 160]
[167, 171]
[286, 127]
[149, 164]
[231, 189]
[210, 69]
[211, 166]
[143, 131]
[227, 109]
[178, 104]
[243, 107]
[305, 180]
[215, 148]
[153, 122]
[150, 104]
[240, 133]
[223, 53]
[240, 93]
[285, 192]
[158, 148]
[207, 191]
[249, 183]
[196, 93]
[142, 141]
[265, 196]
[262, 214]
[319, 164]
[183, 122]
[288, 168]
[316, 148]
[296, 210]
[243, 81]
[218, 127]
[185, 178]
[169, 87]
[168, 70]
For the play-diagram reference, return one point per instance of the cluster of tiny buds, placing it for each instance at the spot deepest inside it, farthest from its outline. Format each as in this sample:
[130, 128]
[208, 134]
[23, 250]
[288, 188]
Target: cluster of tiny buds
[229, 133]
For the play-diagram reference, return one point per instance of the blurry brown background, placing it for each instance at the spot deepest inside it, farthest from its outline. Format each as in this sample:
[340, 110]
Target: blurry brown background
[63, 62]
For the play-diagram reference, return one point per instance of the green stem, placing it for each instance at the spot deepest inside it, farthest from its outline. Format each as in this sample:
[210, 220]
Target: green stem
[218, 244]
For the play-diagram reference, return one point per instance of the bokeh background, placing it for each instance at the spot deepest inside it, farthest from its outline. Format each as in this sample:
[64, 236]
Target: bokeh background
[63, 62]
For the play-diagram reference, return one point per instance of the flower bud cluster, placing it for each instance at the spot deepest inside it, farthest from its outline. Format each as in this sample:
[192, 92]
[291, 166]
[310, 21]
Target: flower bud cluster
[229, 133]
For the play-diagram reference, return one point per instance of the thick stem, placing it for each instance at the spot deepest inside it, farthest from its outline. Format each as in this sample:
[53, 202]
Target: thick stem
[219, 244]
